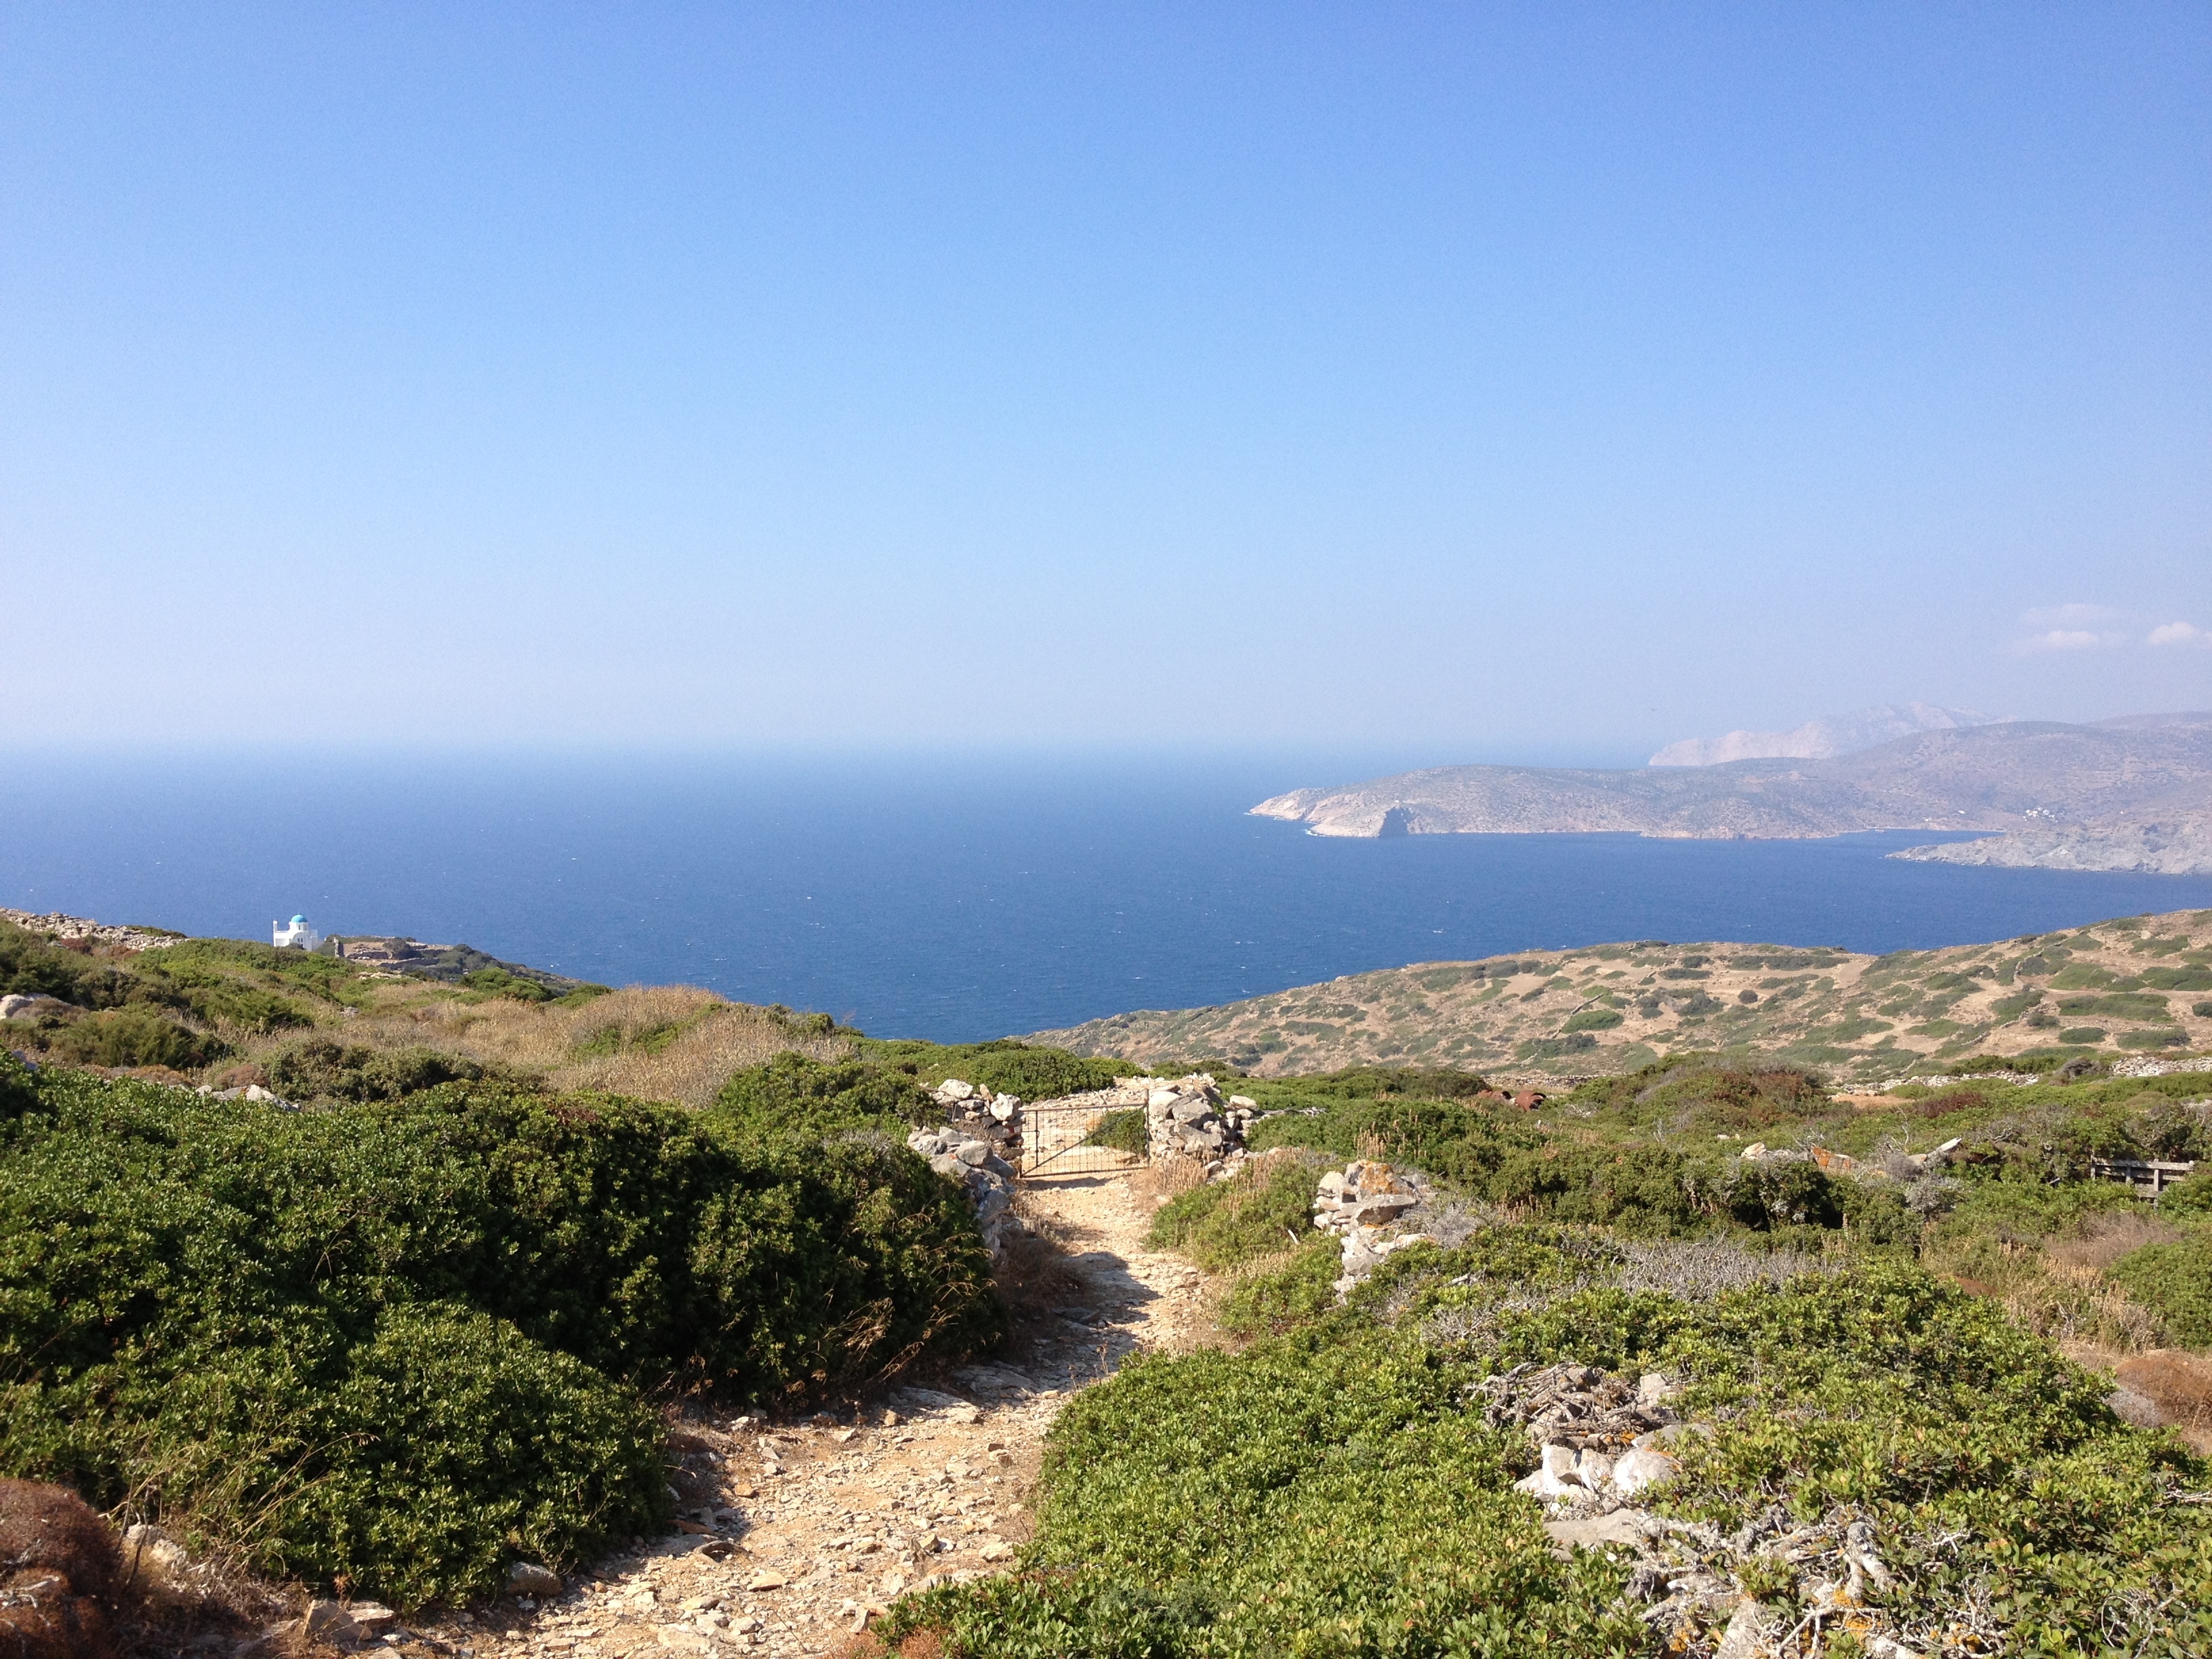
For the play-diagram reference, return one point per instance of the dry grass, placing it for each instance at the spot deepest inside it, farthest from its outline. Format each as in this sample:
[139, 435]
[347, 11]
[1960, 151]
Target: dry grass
[2106, 1239]
[2180, 1385]
[1033, 1273]
[1155, 1183]
[655, 1042]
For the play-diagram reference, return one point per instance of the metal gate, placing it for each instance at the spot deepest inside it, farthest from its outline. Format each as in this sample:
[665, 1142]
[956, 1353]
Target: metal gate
[1074, 1137]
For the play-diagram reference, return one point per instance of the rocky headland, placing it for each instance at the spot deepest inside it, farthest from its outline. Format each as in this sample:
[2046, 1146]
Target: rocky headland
[2015, 776]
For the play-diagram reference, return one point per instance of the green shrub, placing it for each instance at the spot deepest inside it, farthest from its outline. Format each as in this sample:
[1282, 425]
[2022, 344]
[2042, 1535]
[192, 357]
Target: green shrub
[499, 982]
[1261, 1212]
[1271, 1301]
[2175, 1281]
[1459, 1145]
[1593, 1019]
[133, 1036]
[1331, 1490]
[321, 1068]
[18, 1091]
[791, 1096]
[471, 1283]
[31, 967]
[1004, 1066]
[1121, 1131]
[2189, 1196]
[1291, 1500]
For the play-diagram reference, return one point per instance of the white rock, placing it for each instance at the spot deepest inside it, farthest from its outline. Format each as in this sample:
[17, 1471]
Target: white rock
[1640, 1468]
[1557, 1478]
[326, 1620]
[1160, 1099]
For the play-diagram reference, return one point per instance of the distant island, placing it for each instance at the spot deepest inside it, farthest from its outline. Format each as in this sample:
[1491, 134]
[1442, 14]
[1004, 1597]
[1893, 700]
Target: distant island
[2133, 793]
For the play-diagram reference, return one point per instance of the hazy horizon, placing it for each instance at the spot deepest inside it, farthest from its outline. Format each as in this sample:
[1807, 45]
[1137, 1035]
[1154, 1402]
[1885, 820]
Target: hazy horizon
[1405, 381]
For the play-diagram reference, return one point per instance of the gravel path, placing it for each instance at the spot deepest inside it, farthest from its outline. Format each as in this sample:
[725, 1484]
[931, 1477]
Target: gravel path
[805, 1528]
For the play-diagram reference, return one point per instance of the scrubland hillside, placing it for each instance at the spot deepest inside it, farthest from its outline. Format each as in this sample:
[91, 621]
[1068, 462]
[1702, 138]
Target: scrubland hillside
[2135, 985]
[1880, 1377]
[406, 1296]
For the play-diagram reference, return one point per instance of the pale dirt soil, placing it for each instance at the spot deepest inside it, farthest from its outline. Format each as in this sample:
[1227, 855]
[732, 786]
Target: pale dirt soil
[889, 1488]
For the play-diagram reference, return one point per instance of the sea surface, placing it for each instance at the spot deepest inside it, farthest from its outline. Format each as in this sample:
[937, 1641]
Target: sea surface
[956, 900]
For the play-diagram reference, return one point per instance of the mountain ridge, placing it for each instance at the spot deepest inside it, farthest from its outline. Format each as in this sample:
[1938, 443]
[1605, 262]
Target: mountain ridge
[2000, 777]
[1825, 737]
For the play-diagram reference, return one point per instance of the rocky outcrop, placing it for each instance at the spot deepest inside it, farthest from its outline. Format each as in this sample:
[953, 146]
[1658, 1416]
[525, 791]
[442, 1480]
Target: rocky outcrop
[1366, 1205]
[35, 1005]
[55, 924]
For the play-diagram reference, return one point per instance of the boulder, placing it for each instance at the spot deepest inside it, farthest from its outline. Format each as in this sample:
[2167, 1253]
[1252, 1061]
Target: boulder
[1639, 1468]
[531, 1578]
[953, 1089]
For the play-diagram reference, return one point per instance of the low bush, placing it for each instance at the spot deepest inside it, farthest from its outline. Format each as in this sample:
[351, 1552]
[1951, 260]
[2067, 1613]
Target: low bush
[1263, 1211]
[1333, 1489]
[1121, 1131]
[2175, 1282]
[498, 981]
[31, 966]
[1270, 1301]
[402, 1342]
[793, 1097]
[132, 1035]
[319, 1068]
[1004, 1066]
[1298, 1499]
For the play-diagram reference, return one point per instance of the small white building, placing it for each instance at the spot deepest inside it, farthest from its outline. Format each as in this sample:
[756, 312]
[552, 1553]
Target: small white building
[298, 936]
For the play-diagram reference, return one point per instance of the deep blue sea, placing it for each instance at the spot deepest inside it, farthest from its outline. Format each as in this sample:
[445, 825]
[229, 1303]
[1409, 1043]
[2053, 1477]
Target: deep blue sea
[953, 900]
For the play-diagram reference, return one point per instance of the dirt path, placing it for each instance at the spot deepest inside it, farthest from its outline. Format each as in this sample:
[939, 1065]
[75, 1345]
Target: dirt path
[804, 1528]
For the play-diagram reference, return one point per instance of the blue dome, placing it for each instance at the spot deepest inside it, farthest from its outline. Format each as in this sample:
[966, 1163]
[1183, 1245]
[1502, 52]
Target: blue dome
[299, 921]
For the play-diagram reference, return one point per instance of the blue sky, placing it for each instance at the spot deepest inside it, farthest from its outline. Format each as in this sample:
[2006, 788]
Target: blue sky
[1469, 381]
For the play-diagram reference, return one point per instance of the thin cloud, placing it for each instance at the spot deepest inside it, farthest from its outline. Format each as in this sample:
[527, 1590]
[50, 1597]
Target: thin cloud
[2180, 632]
[2070, 638]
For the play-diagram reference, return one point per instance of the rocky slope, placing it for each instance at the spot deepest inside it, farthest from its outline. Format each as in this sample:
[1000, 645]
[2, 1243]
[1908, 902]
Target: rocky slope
[2137, 769]
[2137, 984]
[2182, 847]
